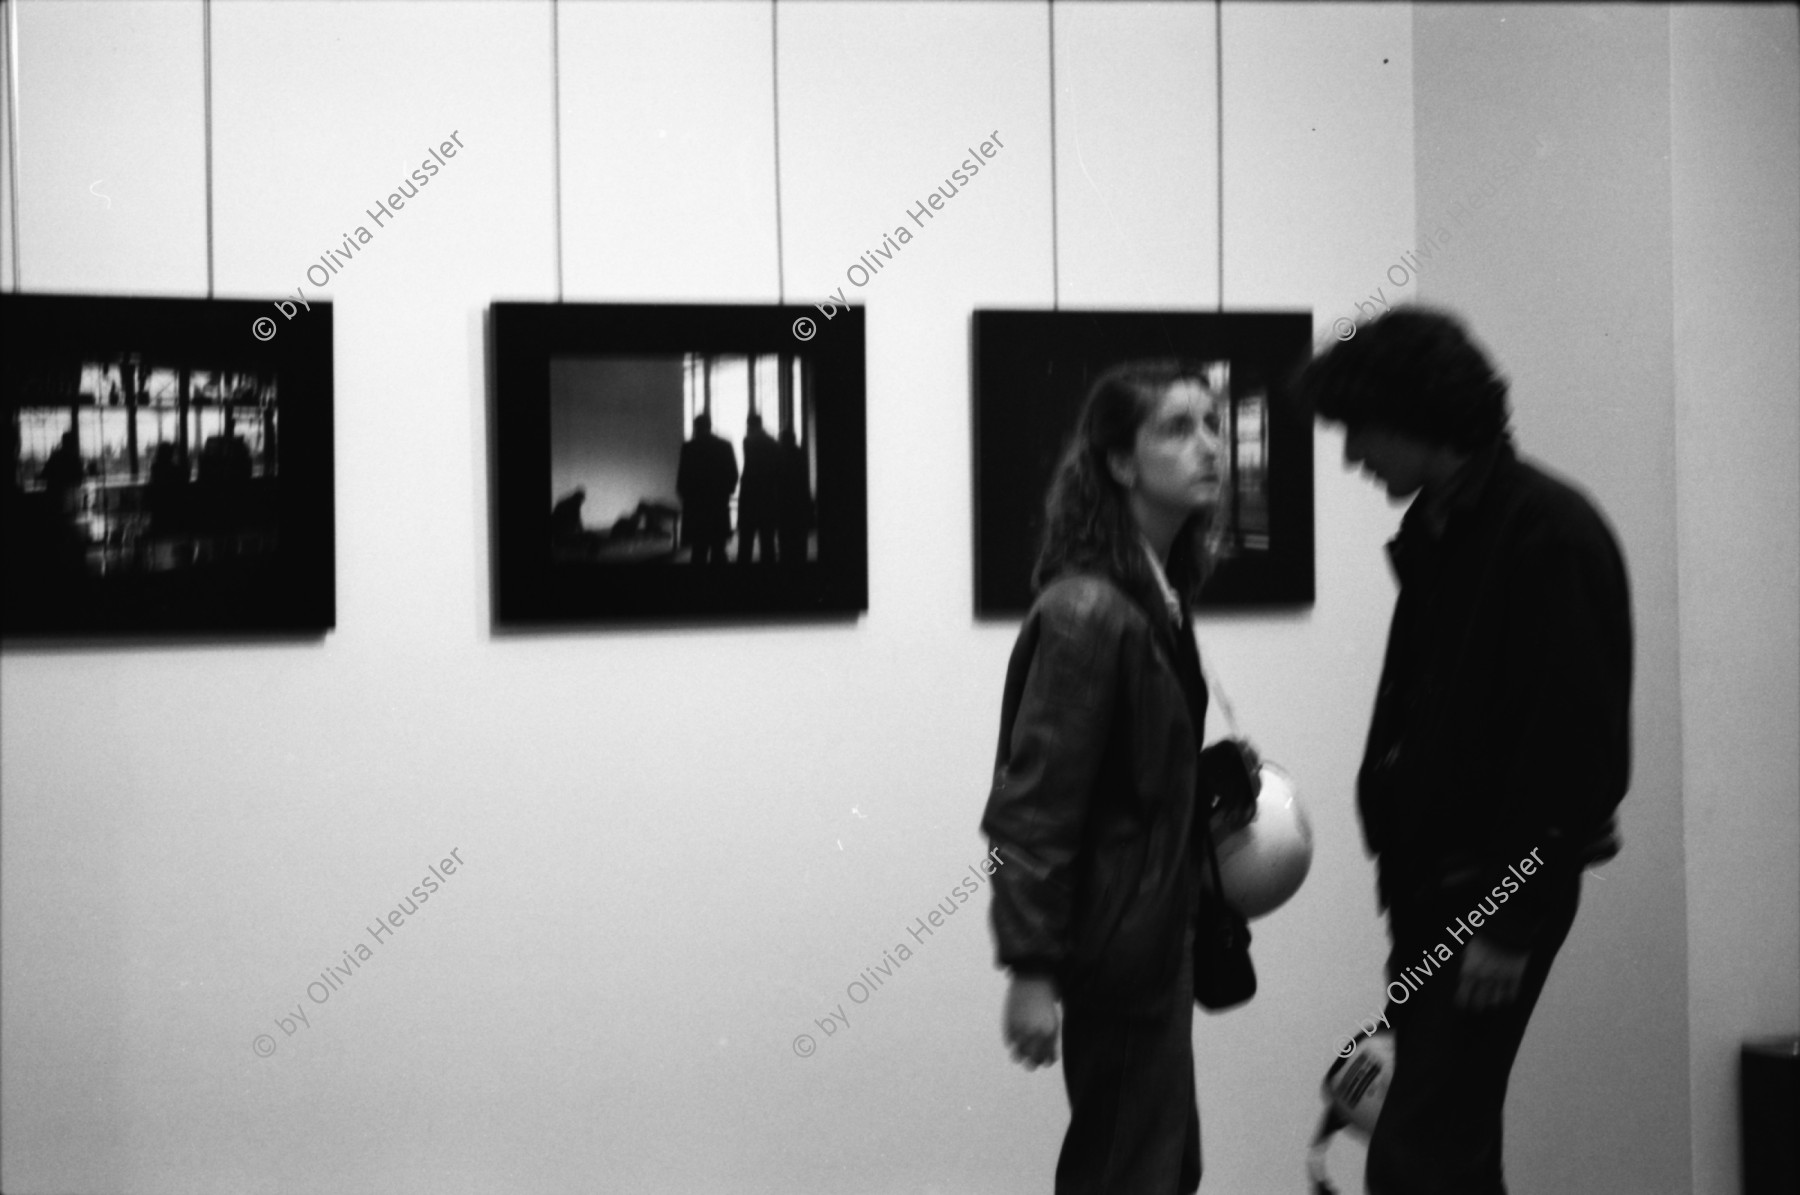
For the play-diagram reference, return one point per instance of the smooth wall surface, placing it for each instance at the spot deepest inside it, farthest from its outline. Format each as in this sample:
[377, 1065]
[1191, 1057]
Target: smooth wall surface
[1541, 156]
[1735, 184]
[681, 848]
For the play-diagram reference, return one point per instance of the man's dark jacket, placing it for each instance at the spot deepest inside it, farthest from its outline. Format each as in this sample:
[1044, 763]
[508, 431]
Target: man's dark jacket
[1092, 805]
[759, 492]
[1503, 721]
[705, 475]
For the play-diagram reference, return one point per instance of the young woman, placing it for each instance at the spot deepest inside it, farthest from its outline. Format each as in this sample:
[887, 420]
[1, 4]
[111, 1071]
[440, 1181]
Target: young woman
[1093, 807]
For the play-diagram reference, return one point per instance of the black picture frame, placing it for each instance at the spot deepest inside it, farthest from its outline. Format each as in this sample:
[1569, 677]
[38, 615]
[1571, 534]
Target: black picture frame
[1032, 370]
[603, 397]
[169, 467]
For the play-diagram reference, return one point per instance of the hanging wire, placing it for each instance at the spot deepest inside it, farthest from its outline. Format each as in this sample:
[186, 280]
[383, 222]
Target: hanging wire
[10, 32]
[206, 74]
[1219, 104]
[775, 75]
[556, 135]
[1055, 278]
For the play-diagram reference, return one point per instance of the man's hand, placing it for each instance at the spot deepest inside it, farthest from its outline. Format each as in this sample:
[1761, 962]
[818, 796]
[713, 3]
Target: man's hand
[1490, 975]
[1031, 1020]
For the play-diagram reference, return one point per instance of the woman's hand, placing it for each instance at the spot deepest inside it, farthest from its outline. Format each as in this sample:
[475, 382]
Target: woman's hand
[1031, 1020]
[1252, 765]
[1231, 771]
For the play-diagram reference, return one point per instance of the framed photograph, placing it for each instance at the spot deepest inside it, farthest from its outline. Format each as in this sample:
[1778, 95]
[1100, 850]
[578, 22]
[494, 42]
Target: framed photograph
[1034, 368]
[168, 466]
[666, 463]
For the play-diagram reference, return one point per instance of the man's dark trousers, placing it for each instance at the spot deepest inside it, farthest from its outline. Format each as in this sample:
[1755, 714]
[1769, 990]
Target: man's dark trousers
[1439, 1132]
[1134, 1128]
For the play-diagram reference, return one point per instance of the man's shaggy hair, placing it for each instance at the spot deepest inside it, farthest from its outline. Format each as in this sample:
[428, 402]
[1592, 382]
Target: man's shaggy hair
[1414, 370]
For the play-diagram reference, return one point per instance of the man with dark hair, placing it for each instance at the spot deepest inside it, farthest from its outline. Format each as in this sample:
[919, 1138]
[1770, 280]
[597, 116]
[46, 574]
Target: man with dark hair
[1501, 731]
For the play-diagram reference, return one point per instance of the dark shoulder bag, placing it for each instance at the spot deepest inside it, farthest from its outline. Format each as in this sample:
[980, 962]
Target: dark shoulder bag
[1224, 976]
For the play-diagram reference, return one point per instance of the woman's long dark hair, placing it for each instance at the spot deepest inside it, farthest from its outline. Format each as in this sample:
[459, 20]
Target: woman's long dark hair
[1088, 526]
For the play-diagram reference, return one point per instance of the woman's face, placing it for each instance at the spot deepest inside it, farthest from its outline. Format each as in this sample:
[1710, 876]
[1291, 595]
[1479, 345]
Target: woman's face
[1175, 462]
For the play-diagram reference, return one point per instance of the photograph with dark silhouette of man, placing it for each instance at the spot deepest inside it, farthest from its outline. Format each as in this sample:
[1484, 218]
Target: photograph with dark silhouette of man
[676, 463]
[682, 459]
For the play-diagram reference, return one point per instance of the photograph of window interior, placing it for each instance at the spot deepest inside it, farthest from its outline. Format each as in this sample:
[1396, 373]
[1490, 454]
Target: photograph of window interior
[1246, 436]
[127, 465]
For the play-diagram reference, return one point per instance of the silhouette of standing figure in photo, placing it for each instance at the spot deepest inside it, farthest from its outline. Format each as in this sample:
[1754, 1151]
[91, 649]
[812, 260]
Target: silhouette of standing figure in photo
[704, 480]
[62, 473]
[167, 495]
[760, 493]
[223, 482]
[794, 501]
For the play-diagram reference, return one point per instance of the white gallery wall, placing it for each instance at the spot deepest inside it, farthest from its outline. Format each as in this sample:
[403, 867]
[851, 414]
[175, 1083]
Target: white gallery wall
[1735, 184]
[681, 845]
[1543, 169]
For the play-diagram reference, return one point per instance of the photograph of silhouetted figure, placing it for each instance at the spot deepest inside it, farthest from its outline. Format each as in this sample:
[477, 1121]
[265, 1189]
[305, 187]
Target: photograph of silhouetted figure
[704, 480]
[759, 495]
[678, 453]
[166, 499]
[793, 499]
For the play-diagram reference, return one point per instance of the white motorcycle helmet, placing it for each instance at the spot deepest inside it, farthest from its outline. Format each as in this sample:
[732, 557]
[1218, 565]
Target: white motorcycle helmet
[1264, 863]
[1355, 1088]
